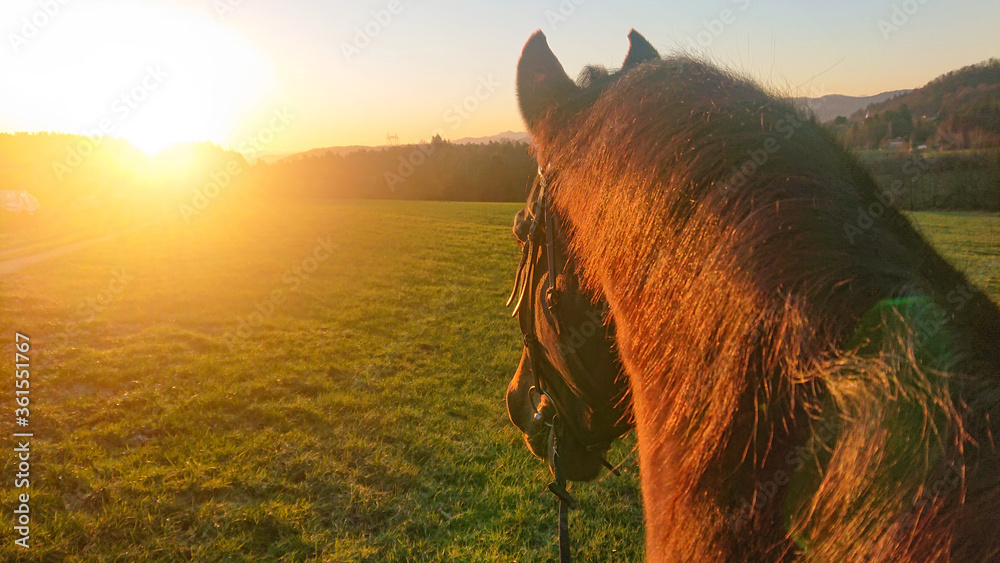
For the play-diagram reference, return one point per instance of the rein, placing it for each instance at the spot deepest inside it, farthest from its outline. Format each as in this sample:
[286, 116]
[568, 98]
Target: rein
[524, 308]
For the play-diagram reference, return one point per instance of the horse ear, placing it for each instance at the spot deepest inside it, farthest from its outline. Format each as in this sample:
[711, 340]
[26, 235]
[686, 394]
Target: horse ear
[541, 81]
[639, 50]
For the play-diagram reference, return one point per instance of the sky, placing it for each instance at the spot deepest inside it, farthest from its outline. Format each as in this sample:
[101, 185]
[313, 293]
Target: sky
[274, 77]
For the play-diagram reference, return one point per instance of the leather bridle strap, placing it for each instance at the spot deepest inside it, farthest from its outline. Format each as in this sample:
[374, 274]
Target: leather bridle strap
[524, 309]
[524, 293]
[566, 501]
[558, 485]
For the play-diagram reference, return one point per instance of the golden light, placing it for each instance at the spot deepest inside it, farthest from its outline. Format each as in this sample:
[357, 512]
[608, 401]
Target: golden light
[149, 71]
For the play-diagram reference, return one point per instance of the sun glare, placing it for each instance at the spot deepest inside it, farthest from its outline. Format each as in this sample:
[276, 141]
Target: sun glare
[148, 71]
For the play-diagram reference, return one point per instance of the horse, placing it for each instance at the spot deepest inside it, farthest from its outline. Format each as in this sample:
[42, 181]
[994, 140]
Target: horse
[808, 379]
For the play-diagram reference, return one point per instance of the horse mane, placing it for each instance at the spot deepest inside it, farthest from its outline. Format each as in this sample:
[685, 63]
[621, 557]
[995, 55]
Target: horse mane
[738, 248]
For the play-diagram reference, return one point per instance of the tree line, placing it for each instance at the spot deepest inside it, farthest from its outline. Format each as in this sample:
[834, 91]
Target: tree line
[439, 170]
[68, 172]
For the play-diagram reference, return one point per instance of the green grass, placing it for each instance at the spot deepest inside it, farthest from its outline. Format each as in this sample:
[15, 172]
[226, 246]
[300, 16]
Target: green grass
[971, 241]
[361, 419]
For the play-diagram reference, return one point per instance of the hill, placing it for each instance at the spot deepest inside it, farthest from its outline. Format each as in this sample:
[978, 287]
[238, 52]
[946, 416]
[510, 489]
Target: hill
[946, 94]
[832, 106]
[512, 136]
[957, 110]
[439, 170]
[325, 151]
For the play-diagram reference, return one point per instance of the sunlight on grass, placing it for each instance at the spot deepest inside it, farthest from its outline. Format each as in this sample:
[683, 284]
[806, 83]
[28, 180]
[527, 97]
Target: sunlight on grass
[362, 417]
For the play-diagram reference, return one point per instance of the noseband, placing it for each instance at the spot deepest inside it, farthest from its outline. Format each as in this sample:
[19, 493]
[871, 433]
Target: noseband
[523, 297]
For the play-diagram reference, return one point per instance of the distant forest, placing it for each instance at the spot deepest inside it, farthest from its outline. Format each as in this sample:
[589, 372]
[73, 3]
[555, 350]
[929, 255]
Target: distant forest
[955, 113]
[439, 170]
[69, 172]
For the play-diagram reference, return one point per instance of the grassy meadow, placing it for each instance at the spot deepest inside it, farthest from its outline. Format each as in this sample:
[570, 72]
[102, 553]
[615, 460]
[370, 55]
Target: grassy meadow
[298, 382]
[181, 410]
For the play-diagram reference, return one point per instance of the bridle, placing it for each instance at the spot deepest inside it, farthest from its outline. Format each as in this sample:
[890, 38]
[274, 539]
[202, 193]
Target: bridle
[523, 297]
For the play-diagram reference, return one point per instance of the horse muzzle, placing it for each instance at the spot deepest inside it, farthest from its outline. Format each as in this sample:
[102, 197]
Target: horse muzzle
[535, 415]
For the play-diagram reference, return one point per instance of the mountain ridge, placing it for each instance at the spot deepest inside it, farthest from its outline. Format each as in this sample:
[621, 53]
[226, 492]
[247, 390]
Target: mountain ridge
[831, 106]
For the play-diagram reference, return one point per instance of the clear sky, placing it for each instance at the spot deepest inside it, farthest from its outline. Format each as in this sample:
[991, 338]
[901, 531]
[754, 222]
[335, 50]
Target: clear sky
[298, 74]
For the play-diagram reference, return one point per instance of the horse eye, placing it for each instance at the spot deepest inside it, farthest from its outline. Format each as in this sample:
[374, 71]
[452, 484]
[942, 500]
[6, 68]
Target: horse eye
[565, 283]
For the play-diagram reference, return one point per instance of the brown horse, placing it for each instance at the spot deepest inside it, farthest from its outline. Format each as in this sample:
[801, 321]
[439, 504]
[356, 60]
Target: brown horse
[808, 378]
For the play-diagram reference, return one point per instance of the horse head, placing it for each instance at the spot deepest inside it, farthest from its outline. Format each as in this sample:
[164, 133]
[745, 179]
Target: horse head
[569, 382]
[568, 385]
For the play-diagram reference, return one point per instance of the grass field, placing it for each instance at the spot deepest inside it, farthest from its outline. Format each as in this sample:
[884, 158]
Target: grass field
[359, 418]
[299, 382]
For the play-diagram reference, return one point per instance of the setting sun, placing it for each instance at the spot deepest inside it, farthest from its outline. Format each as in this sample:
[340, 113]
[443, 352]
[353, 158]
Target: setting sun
[151, 73]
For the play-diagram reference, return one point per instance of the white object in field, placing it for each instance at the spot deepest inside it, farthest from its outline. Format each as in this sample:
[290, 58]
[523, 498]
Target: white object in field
[17, 201]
